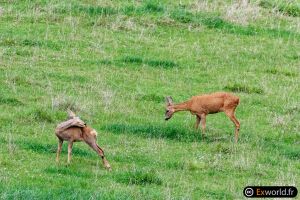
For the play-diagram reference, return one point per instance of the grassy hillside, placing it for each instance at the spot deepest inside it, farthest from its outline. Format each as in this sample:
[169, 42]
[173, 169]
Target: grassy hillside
[113, 62]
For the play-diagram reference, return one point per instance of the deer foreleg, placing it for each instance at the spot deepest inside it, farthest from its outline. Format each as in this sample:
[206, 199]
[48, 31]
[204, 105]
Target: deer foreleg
[100, 152]
[231, 116]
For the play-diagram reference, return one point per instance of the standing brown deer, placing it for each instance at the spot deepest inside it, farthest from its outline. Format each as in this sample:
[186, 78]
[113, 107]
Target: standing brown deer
[203, 105]
[74, 130]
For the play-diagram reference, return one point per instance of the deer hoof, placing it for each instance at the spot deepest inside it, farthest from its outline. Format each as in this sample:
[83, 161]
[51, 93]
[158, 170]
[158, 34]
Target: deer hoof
[108, 167]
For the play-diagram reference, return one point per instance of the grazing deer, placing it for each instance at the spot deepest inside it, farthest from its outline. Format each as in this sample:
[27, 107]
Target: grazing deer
[203, 105]
[74, 130]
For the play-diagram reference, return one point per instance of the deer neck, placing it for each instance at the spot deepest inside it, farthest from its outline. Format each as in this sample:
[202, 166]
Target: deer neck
[182, 106]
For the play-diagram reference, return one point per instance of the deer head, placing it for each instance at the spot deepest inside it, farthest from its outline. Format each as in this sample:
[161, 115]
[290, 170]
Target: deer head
[169, 108]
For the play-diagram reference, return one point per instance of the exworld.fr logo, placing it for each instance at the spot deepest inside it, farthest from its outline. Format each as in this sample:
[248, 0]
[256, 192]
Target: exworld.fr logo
[270, 191]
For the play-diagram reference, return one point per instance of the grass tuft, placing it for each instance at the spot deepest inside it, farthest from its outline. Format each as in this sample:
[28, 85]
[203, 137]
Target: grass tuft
[292, 153]
[216, 22]
[64, 103]
[293, 57]
[287, 8]
[289, 151]
[21, 81]
[133, 59]
[34, 43]
[183, 16]
[293, 109]
[221, 148]
[94, 10]
[89, 10]
[153, 63]
[265, 4]
[280, 72]
[195, 166]
[151, 97]
[161, 63]
[153, 7]
[212, 21]
[42, 115]
[28, 42]
[23, 53]
[8, 42]
[10, 101]
[236, 87]
[139, 178]
[175, 165]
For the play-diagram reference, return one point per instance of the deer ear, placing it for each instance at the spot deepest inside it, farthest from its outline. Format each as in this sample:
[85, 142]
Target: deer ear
[71, 114]
[169, 100]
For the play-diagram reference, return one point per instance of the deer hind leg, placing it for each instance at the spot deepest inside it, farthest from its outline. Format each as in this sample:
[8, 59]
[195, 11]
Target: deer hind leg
[60, 143]
[70, 145]
[230, 114]
[100, 152]
[198, 119]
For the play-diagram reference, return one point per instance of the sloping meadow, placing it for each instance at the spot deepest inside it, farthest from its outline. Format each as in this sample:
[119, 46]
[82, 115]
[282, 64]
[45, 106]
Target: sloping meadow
[113, 63]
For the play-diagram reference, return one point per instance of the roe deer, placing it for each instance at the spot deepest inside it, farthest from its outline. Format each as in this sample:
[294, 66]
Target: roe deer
[203, 105]
[74, 130]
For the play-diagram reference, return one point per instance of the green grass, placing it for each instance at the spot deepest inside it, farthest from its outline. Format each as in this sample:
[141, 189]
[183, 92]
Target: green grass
[114, 62]
[290, 8]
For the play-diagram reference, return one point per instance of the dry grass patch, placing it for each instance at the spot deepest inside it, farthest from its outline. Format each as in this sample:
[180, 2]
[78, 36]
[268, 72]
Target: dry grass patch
[242, 14]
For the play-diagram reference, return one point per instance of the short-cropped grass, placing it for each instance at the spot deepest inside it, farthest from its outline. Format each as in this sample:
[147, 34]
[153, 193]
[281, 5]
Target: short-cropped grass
[155, 131]
[113, 63]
